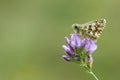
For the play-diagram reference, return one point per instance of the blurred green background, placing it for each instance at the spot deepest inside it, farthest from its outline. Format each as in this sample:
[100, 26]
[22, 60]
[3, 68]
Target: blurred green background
[32, 33]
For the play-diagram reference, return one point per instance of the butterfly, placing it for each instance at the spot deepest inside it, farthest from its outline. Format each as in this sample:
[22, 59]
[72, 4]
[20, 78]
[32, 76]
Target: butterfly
[92, 29]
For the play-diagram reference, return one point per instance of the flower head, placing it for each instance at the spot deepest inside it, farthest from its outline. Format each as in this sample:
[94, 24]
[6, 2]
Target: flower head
[75, 47]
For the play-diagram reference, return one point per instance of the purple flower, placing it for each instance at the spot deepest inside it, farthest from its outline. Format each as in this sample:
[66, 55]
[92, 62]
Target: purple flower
[75, 45]
[80, 51]
[89, 45]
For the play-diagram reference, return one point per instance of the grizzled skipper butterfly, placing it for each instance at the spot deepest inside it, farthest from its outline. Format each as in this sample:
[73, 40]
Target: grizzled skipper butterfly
[91, 29]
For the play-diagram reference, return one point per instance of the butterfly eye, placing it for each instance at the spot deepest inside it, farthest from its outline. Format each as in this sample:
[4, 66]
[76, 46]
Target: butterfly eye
[76, 28]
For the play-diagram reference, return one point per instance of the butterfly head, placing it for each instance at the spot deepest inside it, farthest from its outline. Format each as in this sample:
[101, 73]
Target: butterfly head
[76, 28]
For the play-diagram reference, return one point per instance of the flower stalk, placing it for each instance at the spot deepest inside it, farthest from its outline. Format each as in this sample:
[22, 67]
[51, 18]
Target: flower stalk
[94, 75]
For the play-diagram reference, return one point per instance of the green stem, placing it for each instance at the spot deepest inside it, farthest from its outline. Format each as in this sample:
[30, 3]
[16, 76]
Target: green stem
[94, 75]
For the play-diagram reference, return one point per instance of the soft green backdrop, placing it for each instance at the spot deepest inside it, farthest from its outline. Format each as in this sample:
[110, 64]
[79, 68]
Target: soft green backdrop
[32, 33]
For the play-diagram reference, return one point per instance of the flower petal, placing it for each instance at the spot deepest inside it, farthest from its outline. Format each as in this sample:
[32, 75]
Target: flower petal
[78, 41]
[75, 41]
[67, 41]
[66, 58]
[89, 45]
[92, 47]
[67, 50]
